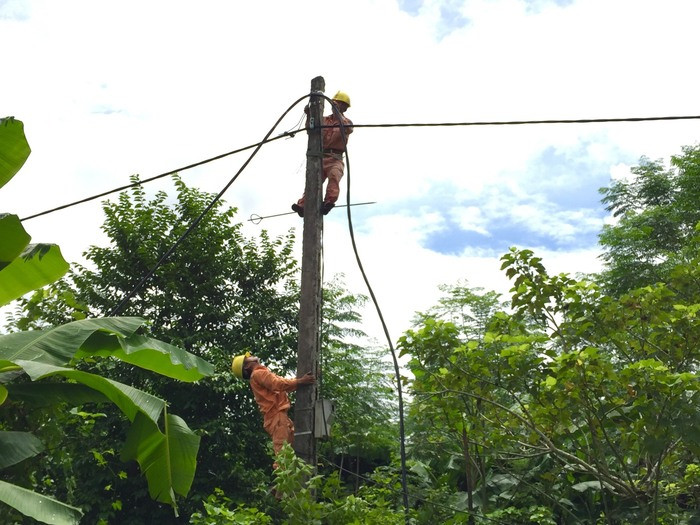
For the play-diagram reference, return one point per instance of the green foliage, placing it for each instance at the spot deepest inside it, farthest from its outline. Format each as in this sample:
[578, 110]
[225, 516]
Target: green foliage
[15, 148]
[355, 376]
[448, 356]
[218, 511]
[217, 295]
[167, 458]
[301, 498]
[37, 506]
[314, 499]
[576, 402]
[53, 353]
[657, 212]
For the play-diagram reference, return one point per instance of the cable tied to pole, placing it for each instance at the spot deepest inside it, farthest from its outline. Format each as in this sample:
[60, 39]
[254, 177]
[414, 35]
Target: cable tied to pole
[115, 311]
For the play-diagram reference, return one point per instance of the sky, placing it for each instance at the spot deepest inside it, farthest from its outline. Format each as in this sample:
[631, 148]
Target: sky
[107, 89]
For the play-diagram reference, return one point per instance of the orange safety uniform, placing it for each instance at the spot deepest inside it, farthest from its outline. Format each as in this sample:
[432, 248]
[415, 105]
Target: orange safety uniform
[270, 391]
[333, 147]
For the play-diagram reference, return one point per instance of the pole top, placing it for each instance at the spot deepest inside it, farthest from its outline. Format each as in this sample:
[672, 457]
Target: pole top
[318, 84]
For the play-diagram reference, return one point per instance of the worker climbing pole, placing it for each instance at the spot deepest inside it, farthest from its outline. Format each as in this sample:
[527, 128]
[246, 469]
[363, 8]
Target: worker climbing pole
[310, 303]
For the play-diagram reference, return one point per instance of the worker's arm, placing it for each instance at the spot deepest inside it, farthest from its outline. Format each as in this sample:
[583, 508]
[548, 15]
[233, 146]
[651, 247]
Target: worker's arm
[347, 123]
[276, 383]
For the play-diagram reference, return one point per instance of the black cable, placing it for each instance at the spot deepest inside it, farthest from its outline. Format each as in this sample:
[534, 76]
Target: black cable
[156, 177]
[525, 122]
[196, 222]
[397, 125]
[397, 372]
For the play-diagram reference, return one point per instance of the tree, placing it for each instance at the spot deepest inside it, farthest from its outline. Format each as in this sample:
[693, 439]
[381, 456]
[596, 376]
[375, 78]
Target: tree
[217, 295]
[657, 213]
[357, 378]
[587, 402]
[448, 432]
[168, 457]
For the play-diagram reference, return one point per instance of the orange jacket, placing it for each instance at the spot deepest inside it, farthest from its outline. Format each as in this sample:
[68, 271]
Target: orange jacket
[333, 137]
[270, 390]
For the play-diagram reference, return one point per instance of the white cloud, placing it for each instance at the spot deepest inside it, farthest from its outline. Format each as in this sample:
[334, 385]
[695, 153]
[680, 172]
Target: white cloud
[108, 89]
[470, 218]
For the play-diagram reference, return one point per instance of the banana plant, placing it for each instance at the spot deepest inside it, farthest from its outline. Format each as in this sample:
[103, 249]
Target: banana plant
[165, 448]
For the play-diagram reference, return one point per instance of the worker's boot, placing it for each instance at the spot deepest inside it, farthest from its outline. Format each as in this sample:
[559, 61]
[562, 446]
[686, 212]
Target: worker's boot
[326, 207]
[298, 209]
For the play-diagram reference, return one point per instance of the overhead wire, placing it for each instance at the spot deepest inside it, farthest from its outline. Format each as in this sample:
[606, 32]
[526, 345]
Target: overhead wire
[266, 139]
[402, 432]
[289, 134]
[199, 218]
[527, 122]
[293, 132]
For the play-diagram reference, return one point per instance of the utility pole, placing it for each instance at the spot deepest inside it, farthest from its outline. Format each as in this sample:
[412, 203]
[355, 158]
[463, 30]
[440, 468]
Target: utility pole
[310, 302]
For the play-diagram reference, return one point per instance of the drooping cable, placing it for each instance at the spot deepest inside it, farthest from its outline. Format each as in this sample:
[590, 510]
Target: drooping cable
[160, 176]
[397, 372]
[199, 218]
[292, 133]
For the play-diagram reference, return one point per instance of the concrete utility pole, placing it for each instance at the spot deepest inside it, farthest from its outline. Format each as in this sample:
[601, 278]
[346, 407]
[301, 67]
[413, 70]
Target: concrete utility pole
[310, 307]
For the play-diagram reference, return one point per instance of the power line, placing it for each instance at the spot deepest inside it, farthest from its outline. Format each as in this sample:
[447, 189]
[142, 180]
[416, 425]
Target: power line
[199, 218]
[526, 122]
[291, 134]
[397, 371]
[156, 177]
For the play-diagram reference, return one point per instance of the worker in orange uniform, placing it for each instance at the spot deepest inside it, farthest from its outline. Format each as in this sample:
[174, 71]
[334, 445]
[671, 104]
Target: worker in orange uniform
[334, 139]
[270, 391]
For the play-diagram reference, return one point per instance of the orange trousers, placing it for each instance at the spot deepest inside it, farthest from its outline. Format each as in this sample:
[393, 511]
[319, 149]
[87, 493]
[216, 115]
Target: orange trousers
[333, 171]
[281, 430]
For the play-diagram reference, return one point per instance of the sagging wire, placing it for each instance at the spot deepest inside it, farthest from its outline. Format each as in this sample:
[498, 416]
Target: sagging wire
[287, 134]
[199, 218]
[397, 372]
[291, 134]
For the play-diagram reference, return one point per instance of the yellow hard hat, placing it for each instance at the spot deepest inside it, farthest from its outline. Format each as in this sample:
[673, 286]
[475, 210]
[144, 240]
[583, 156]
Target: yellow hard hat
[237, 365]
[342, 97]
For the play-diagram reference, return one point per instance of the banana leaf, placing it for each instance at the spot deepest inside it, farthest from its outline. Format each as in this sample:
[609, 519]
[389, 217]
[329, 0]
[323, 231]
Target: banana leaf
[168, 459]
[57, 346]
[129, 399]
[18, 446]
[14, 149]
[41, 508]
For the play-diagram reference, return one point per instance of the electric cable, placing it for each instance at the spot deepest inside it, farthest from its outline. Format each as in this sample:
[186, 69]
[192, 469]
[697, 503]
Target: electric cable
[199, 218]
[291, 134]
[526, 122]
[397, 372]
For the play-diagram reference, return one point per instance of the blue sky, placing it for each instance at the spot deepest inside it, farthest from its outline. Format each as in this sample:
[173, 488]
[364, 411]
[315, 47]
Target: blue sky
[108, 89]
